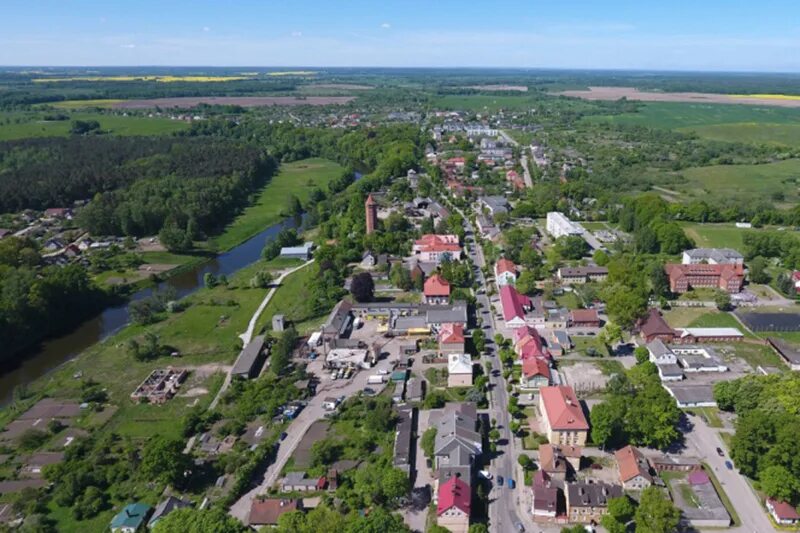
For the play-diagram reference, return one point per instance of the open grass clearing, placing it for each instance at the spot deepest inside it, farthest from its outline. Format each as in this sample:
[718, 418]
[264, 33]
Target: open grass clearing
[297, 178]
[292, 299]
[710, 415]
[84, 104]
[717, 319]
[682, 317]
[716, 235]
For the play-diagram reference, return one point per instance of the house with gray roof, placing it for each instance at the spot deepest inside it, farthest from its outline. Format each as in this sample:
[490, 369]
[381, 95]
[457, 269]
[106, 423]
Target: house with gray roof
[457, 443]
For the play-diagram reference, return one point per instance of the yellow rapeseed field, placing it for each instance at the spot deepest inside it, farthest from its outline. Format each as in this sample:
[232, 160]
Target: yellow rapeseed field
[768, 96]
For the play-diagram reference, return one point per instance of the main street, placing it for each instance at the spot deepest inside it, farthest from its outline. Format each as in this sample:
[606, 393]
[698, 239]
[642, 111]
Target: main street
[505, 506]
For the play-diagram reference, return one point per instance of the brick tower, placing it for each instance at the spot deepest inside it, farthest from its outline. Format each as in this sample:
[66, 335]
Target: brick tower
[372, 214]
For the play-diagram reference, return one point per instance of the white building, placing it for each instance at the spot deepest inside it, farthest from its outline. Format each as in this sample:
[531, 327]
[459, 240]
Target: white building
[712, 256]
[353, 357]
[459, 370]
[560, 226]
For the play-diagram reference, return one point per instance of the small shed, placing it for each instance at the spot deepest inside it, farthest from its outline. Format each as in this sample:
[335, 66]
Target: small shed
[278, 323]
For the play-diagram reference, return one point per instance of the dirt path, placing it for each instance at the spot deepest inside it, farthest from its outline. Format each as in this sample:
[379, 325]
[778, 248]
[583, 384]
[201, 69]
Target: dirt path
[248, 334]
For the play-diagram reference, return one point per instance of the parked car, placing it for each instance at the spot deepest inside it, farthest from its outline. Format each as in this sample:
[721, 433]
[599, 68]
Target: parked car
[720, 452]
[284, 435]
[511, 483]
[519, 526]
[729, 465]
[486, 474]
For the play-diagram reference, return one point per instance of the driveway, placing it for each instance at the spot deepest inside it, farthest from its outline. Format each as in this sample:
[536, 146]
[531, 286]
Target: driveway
[702, 441]
[312, 412]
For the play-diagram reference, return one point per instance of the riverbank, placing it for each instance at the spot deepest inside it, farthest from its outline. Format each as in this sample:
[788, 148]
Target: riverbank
[252, 228]
[297, 178]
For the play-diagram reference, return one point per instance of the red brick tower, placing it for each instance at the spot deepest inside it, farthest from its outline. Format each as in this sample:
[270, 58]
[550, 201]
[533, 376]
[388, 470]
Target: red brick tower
[372, 214]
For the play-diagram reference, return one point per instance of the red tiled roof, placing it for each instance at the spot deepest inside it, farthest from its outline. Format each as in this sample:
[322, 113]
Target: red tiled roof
[562, 408]
[535, 366]
[796, 275]
[370, 200]
[436, 285]
[267, 512]
[631, 463]
[451, 333]
[528, 343]
[454, 493]
[584, 315]
[505, 265]
[438, 243]
[512, 306]
[783, 510]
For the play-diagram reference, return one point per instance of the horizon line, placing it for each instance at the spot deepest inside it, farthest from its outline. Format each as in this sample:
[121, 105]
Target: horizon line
[463, 67]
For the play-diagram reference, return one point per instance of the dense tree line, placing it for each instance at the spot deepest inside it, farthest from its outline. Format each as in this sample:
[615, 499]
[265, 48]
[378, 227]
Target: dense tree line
[767, 430]
[54, 172]
[37, 302]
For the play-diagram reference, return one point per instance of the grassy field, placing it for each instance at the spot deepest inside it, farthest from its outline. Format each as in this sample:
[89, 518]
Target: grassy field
[682, 317]
[744, 181]
[297, 178]
[733, 123]
[15, 125]
[291, 300]
[716, 235]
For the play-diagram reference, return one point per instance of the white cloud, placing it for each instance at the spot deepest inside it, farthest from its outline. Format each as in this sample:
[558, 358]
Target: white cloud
[206, 29]
[386, 25]
[130, 45]
[297, 34]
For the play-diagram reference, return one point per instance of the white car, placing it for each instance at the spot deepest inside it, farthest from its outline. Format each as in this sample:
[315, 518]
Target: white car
[383, 372]
[486, 474]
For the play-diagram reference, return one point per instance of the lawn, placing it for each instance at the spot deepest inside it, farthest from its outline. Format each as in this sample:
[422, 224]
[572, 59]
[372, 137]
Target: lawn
[296, 178]
[15, 125]
[716, 235]
[681, 317]
[291, 300]
[716, 319]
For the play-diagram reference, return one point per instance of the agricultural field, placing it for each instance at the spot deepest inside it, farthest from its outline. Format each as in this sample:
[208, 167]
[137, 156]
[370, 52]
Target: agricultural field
[485, 102]
[83, 104]
[775, 182]
[15, 125]
[296, 178]
[732, 123]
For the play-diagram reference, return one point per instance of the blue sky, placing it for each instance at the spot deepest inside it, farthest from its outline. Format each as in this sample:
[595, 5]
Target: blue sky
[644, 34]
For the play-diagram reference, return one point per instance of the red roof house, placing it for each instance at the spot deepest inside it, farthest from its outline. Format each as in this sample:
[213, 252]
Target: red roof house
[563, 416]
[584, 318]
[436, 290]
[451, 338]
[431, 247]
[512, 303]
[535, 372]
[267, 512]
[505, 271]
[782, 512]
[683, 278]
[796, 280]
[454, 505]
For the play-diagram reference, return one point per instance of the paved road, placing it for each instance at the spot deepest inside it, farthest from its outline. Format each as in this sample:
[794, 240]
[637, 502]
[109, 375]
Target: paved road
[505, 505]
[704, 441]
[416, 518]
[310, 414]
[247, 336]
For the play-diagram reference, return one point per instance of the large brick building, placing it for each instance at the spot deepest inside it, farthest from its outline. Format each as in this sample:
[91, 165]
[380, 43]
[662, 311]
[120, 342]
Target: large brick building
[371, 207]
[727, 277]
[564, 422]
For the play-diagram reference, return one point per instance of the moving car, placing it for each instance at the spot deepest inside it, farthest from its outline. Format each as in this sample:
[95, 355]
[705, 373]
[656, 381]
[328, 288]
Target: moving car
[511, 483]
[499, 481]
[729, 465]
[486, 474]
[720, 452]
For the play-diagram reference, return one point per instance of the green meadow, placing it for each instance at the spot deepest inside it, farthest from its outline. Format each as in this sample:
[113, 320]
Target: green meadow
[23, 125]
[720, 122]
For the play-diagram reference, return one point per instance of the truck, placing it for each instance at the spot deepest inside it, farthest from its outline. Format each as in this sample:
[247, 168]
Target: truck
[376, 379]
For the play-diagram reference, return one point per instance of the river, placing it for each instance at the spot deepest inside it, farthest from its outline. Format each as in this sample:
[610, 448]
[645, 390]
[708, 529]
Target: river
[55, 352]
